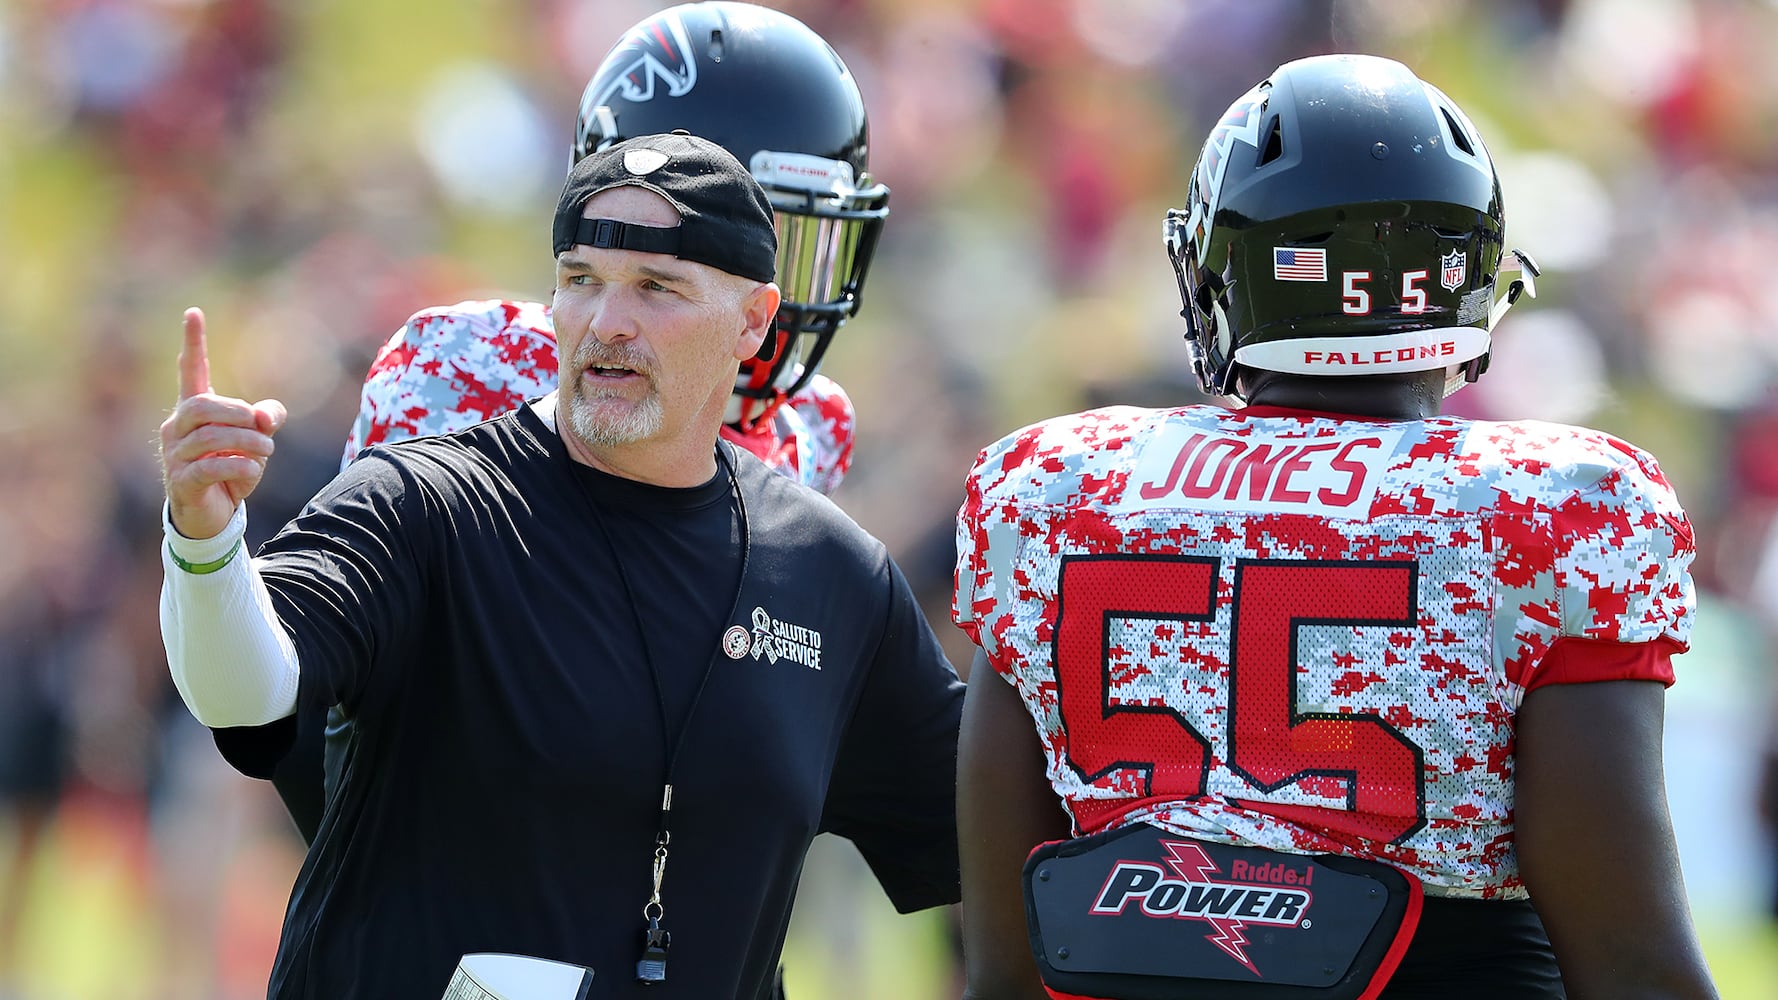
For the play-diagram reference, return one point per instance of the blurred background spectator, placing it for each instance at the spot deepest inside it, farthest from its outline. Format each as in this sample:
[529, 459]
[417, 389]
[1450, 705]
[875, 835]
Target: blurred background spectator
[313, 172]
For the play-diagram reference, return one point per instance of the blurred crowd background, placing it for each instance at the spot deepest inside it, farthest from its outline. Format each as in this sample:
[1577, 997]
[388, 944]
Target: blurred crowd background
[313, 171]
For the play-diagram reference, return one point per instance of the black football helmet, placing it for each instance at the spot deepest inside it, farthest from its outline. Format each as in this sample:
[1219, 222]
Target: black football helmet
[1344, 219]
[771, 91]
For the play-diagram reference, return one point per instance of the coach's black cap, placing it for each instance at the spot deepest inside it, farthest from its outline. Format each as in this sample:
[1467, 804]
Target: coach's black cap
[724, 218]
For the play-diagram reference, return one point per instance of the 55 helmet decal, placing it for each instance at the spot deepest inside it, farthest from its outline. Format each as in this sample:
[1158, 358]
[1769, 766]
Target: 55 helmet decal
[1343, 218]
[771, 91]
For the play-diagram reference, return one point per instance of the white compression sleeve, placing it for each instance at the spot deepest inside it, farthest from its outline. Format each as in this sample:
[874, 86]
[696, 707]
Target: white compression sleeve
[231, 659]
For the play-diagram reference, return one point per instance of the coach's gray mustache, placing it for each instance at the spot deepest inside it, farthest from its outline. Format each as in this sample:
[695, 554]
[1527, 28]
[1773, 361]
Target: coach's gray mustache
[593, 353]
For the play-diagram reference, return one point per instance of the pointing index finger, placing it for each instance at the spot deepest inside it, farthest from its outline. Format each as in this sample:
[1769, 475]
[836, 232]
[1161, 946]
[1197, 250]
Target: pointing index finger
[194, 362]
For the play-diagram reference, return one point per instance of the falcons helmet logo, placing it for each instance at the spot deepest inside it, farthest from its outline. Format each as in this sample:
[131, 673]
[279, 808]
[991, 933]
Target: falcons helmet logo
[658, 50]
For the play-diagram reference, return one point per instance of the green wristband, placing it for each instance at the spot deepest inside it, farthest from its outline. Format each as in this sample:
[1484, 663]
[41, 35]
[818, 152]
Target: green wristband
[201, 569]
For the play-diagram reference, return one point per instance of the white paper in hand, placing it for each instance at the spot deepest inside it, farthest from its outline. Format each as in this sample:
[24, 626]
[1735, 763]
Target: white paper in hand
[490, 976]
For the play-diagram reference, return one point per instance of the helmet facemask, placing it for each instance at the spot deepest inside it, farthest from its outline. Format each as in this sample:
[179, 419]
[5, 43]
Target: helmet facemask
[1208, 339]
[828, 225]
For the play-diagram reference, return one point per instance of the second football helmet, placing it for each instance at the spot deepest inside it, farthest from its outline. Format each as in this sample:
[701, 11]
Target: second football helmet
[772, 92]
[1344, 218]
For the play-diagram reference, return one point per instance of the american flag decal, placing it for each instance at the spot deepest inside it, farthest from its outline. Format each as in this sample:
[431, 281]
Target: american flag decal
[1298, 264]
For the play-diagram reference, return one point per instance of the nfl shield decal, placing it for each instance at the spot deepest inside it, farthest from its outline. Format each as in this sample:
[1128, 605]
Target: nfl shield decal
[1453, 269]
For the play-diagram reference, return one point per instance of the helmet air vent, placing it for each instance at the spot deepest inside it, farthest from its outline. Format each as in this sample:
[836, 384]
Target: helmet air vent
[1458, 134]
[715, 49]
[1274, 146]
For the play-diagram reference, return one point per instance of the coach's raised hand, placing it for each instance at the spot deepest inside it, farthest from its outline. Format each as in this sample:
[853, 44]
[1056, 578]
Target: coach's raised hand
[213, 448]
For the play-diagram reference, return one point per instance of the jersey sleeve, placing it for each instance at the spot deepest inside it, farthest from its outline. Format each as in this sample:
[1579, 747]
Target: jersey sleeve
[450, 367]
[893, 791]
[1623, 549]
[827, 420]
[987, 543]
[971, 578]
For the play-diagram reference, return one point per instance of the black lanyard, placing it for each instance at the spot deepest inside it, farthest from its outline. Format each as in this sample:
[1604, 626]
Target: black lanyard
[652, 968]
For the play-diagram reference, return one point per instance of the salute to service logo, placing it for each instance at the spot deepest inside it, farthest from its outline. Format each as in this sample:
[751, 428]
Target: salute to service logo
[773, 640]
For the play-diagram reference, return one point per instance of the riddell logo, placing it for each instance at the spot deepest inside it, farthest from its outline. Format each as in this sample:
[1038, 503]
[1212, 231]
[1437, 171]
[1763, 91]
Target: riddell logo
[1198, 894]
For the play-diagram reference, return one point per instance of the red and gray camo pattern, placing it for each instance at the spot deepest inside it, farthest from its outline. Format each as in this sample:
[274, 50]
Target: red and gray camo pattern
[1497, 538]
[808, 437]
[451, 367]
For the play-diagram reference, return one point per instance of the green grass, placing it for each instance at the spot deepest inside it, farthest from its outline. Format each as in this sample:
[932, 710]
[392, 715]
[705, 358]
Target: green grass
[94, 933]
[1743, 958]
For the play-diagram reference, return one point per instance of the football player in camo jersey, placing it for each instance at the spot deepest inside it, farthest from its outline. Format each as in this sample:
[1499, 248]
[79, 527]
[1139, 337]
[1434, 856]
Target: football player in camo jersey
[453, 366]
[770, 90]
[1329, 630]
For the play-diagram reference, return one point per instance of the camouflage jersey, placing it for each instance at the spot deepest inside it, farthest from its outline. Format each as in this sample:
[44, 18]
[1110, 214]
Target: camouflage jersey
[1310, 633]
[453, 366]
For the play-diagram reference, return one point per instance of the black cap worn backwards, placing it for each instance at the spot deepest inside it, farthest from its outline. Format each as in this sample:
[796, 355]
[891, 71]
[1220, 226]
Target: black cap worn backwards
[724, 218]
